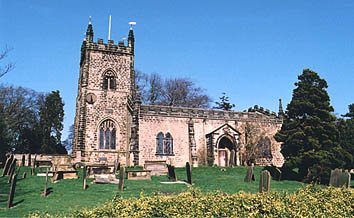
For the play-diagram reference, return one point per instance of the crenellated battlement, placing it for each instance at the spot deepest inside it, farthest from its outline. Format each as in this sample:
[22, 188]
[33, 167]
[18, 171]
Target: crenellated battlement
[199, 113]
[108, 47]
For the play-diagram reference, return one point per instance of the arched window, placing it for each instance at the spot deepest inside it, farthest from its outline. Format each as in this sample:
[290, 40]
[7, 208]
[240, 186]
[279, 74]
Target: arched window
[164, 144]
[159, 143]
[264, 147]
[168, 144]
[107, 135]
[109, 81]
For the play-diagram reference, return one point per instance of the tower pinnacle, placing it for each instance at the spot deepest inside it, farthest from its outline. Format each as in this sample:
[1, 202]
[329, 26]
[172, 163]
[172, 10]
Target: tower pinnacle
[281, 112]
[89, 31]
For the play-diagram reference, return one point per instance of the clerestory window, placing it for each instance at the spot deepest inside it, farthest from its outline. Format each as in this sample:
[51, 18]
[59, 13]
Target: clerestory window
[107, 135]
[164, 144]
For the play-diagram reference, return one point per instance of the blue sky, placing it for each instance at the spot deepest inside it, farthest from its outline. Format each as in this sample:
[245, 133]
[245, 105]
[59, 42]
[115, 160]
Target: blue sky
[252, 50]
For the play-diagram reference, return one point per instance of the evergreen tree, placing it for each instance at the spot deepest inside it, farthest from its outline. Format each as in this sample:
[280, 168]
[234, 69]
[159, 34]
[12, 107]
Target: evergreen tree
[309, 135]
[51, 124]
[346, 128]
[224, 103]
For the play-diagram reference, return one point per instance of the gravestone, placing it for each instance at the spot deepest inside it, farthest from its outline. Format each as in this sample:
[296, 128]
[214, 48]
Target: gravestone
[264, 182]
[84, 178]
[232, 158]
[189, 173]
[121, 178]
[339, 178]
[45, 190]
[12, 191]
[23, 160]
[7, 165]
[24, 175]
[29, 160]
[32, 171]
[171, 173]
[12, 170]
[250, 175]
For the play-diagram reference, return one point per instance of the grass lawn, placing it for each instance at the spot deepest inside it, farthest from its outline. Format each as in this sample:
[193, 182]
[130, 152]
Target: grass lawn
[67, 195]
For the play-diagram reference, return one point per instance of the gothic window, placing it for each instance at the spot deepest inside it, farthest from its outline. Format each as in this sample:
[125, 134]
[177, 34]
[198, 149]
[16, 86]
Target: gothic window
[264, 146]
[164, 144]
[107, 135]
[109, 81]
[168, 144]
[159, 142]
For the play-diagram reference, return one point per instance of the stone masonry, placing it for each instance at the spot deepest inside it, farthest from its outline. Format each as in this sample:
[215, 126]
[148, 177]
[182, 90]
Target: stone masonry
[112, 125]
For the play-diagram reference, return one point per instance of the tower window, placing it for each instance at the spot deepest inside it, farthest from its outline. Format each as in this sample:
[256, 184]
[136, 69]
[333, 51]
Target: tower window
[107, 135]
[164, 144]
[109, 81]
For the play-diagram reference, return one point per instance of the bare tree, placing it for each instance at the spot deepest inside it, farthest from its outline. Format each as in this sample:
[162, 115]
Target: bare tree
[178, 92]
[7, 67]
[182, 92]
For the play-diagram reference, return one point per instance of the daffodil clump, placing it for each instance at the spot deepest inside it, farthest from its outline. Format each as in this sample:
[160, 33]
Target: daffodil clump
[312, 201]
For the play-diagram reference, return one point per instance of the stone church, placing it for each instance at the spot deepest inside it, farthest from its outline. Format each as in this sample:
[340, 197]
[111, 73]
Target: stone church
[112, 125]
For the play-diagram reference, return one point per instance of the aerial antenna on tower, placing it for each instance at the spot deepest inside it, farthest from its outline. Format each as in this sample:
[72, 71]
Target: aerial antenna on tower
[132, 23]
[109, 28]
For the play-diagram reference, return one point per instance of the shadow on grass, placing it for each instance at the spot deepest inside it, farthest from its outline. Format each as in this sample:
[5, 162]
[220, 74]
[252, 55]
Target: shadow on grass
[17, 203]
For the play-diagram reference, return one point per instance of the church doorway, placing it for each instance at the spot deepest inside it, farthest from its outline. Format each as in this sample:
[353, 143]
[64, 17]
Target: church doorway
[225, 146]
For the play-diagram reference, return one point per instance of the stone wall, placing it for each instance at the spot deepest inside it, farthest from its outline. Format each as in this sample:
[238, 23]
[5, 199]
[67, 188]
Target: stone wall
[155, 119]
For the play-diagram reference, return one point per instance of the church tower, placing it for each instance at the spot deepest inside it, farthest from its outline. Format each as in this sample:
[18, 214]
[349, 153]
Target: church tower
[104, 103]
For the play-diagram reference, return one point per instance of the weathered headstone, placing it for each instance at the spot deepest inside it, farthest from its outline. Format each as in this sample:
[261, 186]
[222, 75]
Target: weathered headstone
[84, 178]
[7, 165]
[171, 172]
[12, 170]
[24, 175]
[264, 181]
[339, 178]
[29, 160]
[12, 191]
[32, 171]
[232, 158]
[250, 175]
[189, 173]
[23, 160]
[121, 178]
[45, 191]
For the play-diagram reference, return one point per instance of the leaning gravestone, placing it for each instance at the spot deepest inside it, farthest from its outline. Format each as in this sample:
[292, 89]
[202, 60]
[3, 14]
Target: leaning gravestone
[12, 191]
[12, 170]
[24, 175]
[189, 173]
[250, 175]
[121, 178]
[7, 165]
